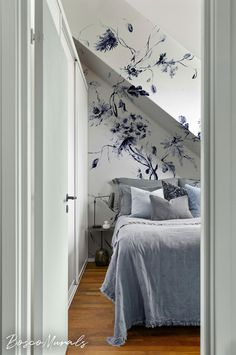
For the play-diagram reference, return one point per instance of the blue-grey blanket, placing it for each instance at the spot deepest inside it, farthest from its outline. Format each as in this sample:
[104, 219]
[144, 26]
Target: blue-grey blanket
[154, 274]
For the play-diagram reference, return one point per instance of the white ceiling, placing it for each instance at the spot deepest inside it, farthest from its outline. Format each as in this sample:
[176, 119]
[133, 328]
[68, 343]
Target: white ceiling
[181, 19]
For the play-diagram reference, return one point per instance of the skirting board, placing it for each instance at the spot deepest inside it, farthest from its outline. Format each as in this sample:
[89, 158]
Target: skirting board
[73, 288]
[91, 260]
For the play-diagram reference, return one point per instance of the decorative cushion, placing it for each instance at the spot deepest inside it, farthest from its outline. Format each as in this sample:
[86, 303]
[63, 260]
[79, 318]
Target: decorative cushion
[176, 208]
[194, 198]
[141, 204]
[172, 191]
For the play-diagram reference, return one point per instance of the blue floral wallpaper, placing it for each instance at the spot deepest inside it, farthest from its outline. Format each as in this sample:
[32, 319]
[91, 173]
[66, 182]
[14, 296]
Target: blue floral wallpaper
[123, 140]
[131, 133]
[145, 68]
[145, 59]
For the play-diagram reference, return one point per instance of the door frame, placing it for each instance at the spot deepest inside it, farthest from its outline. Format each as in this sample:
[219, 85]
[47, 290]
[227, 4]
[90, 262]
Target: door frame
[217, 258]
[66, 35]
[66, 31]
[218, 174]
[16, 164]
[63, 29]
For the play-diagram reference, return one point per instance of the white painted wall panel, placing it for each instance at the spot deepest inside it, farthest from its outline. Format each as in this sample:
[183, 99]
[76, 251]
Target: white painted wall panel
[55, 13]
[82, 167]
[71, 159]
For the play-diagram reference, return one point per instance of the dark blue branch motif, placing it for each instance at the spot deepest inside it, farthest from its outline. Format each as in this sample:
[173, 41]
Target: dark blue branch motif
[185, 126]
[167, 165]
[142, 60]
[145, 159]
[107, 41]
[183, 122]
[130, 27]
[122, 105]
[175, 147]
[197, 138]
[171, 66]
[154, 88]
[119, 91]
[138, 62]
[131, 71]
[137, 91]
[100, 111]
[95, 163]
[129, 130]
[133, 126]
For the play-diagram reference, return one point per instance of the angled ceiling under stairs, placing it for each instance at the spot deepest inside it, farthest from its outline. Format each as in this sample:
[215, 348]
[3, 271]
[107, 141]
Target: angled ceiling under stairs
[123, 47]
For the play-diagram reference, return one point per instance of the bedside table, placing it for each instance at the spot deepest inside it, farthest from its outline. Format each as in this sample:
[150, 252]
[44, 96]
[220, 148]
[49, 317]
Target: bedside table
[101, 256]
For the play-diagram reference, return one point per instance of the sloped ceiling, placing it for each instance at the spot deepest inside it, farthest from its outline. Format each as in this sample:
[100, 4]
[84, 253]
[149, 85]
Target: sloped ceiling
[164, 69]
[155, 112]
[181, 19]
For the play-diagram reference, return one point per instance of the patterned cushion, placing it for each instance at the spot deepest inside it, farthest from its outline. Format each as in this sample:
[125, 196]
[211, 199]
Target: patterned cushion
[172, 191]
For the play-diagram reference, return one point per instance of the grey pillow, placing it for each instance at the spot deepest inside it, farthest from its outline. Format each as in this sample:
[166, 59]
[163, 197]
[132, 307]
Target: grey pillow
[149, 185]
[141, 204]
[126, 199]
[191, 182]
[176, 208]
[143, 183]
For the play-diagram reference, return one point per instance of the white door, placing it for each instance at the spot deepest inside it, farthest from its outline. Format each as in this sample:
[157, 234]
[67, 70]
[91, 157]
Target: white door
[71, 166]
[51, 158]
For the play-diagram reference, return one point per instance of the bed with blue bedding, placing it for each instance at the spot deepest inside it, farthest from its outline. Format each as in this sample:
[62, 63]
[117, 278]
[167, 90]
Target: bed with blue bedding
[154, 274]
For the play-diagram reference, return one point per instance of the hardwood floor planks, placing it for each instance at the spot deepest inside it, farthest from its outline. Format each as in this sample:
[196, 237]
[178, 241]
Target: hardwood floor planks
[92, 314]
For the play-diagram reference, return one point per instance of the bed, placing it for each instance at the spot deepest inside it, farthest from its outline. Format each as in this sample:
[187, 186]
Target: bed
[154, 274]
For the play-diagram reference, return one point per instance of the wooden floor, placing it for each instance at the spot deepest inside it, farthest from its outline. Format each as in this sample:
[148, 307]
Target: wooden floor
[93, 315]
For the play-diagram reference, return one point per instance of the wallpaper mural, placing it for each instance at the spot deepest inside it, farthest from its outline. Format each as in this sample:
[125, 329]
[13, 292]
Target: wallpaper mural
[153, 69]
[130, 132]
[125, 142]
[142, 60]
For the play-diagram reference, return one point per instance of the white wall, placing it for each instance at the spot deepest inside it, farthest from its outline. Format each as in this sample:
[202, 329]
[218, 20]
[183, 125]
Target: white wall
[181, 19]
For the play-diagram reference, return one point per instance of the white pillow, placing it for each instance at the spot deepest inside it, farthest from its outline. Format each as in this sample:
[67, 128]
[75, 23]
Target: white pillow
[141, 205]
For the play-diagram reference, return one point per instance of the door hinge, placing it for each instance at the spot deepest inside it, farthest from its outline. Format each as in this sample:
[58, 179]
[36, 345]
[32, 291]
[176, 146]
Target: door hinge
[32, 36]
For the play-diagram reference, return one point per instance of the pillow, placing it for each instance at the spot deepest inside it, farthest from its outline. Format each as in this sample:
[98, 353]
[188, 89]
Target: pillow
[141, 204]
[143, 184]
[194, 199]
[176, 208]
[126, 200]
[172, 191]
[192, 182]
